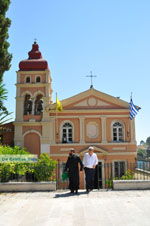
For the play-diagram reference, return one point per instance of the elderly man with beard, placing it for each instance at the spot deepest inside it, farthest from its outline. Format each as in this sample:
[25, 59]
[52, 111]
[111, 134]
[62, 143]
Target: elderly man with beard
[72, 167]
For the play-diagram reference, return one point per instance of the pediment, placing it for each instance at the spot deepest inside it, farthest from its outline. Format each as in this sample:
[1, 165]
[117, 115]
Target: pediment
[92, 99]
[91, 102]
[97, 150]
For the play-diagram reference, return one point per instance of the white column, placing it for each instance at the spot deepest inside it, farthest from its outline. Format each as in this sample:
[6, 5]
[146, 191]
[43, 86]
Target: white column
[18, 92]
[133, 140]
[18, 77]
[82, 132]
[33, 105]
[52, 131]
[18, 137]
[46, 116]
[19, 108]
[103, 120]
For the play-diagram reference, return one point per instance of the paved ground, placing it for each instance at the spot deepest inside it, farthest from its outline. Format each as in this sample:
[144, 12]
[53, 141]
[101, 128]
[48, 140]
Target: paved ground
[99, 208]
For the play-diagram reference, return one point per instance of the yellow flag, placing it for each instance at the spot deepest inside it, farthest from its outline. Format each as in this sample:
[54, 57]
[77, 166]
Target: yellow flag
[58, 105]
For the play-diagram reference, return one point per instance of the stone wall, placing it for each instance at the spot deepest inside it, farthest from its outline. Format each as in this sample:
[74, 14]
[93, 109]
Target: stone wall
[27, 186]
[131, 184]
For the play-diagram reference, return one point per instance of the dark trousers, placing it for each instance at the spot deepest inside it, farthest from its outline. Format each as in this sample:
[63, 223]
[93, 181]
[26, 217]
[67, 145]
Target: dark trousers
[74, 181]
[89, 178]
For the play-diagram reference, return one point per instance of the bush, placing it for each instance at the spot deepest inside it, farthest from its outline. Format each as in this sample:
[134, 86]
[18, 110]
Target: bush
[129, 175]
[44, 168]
[6, 170]
[7, 150]
[109, 183]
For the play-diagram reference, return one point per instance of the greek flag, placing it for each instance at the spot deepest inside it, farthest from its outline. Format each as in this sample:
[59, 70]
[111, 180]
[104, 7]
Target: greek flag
[133, 109]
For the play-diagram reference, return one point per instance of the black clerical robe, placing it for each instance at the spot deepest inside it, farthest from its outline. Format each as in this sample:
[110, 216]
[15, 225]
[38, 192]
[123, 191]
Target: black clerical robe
[72, 166]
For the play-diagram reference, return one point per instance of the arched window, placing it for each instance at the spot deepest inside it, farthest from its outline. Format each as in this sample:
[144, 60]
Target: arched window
[27, 79]
[67, 133]
[117, 132]
[38, 79]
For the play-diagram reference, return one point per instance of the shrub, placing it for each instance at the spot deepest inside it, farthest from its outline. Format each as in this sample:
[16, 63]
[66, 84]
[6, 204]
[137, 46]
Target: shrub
[6, 170]
[44, 168]
[129, 175]
[7, 150]
[109, 183]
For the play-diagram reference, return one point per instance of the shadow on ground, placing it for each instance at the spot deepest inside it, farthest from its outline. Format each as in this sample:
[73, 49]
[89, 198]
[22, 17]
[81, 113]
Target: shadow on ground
[68, 194]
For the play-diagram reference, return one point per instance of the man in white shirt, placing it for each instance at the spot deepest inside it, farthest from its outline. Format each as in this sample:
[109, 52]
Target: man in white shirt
[90, 161]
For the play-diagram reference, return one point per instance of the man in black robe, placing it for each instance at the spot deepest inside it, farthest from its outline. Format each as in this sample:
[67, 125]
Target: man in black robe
[72, 167]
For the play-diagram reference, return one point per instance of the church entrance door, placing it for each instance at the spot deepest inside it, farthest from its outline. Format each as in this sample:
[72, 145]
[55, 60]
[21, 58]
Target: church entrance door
[32, 143]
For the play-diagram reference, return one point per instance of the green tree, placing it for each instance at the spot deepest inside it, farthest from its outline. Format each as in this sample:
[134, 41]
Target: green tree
[3, 110]
[142, 142]
[148, 141]
[5, 56]
[141, 153]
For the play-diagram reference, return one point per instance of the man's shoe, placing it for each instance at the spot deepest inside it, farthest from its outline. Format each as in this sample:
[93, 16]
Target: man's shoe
[87, 190]
[76, 191]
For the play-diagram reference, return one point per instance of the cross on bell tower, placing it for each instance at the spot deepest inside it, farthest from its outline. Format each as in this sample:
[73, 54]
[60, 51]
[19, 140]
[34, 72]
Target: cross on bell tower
[91, 76]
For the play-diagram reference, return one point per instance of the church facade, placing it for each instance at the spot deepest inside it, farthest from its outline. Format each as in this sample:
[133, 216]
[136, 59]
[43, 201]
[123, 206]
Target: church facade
[90, 118]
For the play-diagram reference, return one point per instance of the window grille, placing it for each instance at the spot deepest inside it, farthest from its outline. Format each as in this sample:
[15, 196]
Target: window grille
[117, 132]
[67, 133]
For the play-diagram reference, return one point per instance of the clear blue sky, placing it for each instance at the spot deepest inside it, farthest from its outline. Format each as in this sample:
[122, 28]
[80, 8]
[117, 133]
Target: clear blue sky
[109, 37]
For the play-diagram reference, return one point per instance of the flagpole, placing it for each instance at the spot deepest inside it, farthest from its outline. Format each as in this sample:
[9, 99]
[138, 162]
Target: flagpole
[133, 109]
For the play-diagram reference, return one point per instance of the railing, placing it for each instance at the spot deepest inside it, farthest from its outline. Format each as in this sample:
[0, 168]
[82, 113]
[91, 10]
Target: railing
[107, 172]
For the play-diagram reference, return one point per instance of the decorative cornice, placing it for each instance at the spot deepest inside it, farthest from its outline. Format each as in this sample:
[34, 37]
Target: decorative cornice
[113, 153]
[27, 85]
[32, 72]
[103, 144]
[91, 112]
[31, 123]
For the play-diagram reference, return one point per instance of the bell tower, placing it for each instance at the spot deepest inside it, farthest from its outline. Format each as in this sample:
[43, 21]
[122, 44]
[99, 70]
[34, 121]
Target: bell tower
[33, 94]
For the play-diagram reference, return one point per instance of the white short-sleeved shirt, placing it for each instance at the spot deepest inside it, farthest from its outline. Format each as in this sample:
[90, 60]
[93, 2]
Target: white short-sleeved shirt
[90, 160]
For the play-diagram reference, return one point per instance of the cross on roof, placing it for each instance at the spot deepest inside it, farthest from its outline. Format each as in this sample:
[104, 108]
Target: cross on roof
[91, 76]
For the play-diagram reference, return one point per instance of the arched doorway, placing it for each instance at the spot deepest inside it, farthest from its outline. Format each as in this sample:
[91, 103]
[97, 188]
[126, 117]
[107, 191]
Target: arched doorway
[32, 143]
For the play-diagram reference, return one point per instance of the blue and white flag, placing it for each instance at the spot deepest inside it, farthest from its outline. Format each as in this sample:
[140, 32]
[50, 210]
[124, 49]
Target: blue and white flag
[133, 110]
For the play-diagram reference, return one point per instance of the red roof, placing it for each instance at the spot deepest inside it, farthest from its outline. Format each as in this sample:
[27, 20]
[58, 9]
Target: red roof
[35, 62]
